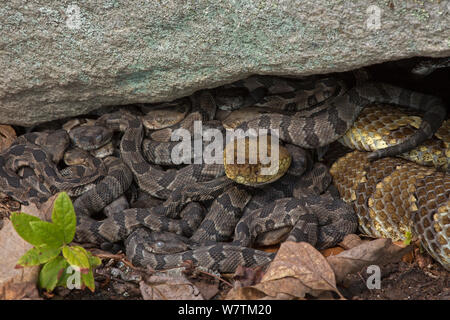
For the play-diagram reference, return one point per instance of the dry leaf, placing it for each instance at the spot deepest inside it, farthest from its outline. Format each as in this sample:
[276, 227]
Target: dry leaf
[245, 277]
[271, 248]
[409, 256]
[7, 136]
[302, 261]
[298, 269]
[350, 241]
[164, 287]
[376, 252]
[246, 293]
[19, 291]
[18, 283]
[423, 259]
[331, 251]
[207, 287]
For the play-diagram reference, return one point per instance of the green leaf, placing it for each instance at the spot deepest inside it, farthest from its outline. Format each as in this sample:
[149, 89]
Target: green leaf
[38, 255]
[21, 223]
[77, 256]
[408, 238]
[69, 276]
[62, 281]
[63, 215]
[94, 261]
[49, 233]
[51, 272]
[88, 280]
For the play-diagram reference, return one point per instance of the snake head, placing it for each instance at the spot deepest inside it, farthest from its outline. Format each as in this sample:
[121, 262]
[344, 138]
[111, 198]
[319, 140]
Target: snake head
[244, 164]
[165, 242]
[90, 137]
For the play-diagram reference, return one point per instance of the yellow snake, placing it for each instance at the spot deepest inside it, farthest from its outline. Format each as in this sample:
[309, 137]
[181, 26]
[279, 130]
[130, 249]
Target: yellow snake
[244, 171]
[393, 197]
[379, 126]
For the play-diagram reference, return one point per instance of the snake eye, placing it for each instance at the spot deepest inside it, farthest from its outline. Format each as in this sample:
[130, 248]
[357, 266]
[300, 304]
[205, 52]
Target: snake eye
[159, 244]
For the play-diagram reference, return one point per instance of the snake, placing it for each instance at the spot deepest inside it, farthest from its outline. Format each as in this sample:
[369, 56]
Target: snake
[429, 65]
[35, 155]
[332, 119]
[398, 199]
[130, 148]
[379, 126]
[403, 196]
[225, 210]
[299, 219]
[315, 125]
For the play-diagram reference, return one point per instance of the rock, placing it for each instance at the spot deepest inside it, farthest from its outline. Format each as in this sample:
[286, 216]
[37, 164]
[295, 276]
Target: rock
[60, 59]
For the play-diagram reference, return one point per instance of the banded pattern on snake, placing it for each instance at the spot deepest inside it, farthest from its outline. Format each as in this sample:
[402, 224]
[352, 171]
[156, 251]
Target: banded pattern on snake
[309, 121]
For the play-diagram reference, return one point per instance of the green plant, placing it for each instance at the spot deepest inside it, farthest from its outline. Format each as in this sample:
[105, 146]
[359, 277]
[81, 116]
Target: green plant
[408, 238]
[63, 265]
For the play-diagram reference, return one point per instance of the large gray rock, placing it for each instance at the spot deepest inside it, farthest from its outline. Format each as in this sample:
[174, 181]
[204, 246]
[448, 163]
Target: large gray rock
[61, 60]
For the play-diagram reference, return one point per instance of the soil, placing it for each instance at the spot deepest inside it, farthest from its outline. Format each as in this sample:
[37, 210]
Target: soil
[399, 281]
[402, 281]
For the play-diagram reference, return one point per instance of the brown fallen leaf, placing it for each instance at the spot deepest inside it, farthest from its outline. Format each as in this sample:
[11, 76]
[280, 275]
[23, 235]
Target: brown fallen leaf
[331, 251]
[245, 277]
[20, 291]
[423, 259]
[247, 293]
[7, 136]
[376, 252]
[165, 287]
[298, 269]
[19, 283]
[271, 248]
[207, 287]
[409, 256]
[350, 241]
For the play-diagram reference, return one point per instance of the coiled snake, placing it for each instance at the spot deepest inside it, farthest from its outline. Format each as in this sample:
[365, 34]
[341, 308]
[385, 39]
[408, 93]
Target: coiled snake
[223, 257]
[303, 122]
[392, 197]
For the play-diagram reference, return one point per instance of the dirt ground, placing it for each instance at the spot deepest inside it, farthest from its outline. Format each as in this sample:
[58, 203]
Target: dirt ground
[399, 281]
[402, 281]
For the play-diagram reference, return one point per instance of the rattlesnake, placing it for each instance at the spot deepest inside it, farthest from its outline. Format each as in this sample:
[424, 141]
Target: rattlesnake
[379, 126]
[310, 127]
[224, 211]
[392, 197]
[136, 248]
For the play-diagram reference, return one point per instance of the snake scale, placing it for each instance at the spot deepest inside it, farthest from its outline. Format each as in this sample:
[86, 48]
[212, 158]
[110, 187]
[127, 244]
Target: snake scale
[392, 197]
[236, 213]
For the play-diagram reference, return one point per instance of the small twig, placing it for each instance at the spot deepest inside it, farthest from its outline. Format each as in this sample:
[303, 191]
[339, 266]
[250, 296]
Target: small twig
[430, 274]
[198, 270]
[362, 278]
[121, 258]
[118, 257]
[110, 256]
[129, 264]
[216, 277]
